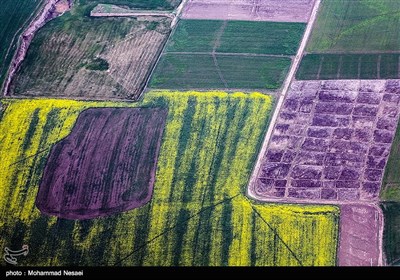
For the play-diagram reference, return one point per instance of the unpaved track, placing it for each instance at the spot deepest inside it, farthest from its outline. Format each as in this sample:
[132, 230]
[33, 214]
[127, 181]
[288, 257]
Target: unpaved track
[174, 22]
[178, 13]
[132, 14]
[352, 250]
[286, 86]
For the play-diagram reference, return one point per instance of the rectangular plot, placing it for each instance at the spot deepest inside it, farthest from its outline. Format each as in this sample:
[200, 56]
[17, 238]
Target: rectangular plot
[178, 71]
[138, 4]
[110, 168]
[330, 67]
[349, 67]
[324, 221]
[389, 68]
[261, 37]
[356, 26]
[309, 67]
[194, 36]
[359, 243]
[350, 129]
[251, 72]
[262, 10]
[369, 67]
[391, 233]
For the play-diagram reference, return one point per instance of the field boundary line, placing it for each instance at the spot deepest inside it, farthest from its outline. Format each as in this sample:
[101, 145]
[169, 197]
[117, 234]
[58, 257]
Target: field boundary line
[221, 76]
[217, 44]
[398, 68]
[351, 52]
[178, 13]
[378, 67]
[231, 54]
[162, 50]
[146, 243]
[321, 62]
[288, 81]
[381, 225]
[339, 70]
[276, 234]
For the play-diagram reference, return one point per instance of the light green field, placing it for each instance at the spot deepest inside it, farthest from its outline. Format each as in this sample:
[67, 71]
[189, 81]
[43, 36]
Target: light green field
[216, 54]
[356, 26]
[254, 37]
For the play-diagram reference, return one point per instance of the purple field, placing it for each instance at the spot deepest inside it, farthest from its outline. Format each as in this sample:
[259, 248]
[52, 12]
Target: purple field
[106, 165]
[255, 10]
[331, 141]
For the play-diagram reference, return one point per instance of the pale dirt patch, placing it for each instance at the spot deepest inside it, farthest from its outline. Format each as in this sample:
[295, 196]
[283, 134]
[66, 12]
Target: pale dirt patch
[253, 10]
[62, 6]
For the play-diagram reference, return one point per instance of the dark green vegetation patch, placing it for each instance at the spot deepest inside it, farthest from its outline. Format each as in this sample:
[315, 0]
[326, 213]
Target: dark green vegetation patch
[391, 234]
[391, 181]
[185, 71]
[349, 66]
[98, 64]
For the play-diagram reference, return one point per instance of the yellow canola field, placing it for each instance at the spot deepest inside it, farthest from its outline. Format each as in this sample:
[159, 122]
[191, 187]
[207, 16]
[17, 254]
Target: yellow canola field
[199, 214]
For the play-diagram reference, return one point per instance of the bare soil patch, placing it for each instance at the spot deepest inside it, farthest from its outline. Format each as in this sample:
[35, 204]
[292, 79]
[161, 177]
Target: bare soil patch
[254, 10]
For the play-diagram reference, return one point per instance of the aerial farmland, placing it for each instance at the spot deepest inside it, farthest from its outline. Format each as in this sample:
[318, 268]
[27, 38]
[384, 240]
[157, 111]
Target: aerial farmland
[88, 57]
[15, 17]
[354, 40]
[200, 133]
[227, 55]
[259, 10]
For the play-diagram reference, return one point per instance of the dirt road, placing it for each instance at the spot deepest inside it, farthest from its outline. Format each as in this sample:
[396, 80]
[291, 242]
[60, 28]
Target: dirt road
[286, 86]
[52, 9]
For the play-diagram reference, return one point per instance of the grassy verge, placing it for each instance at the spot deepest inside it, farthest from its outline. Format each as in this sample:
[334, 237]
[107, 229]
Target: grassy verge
[14, 17]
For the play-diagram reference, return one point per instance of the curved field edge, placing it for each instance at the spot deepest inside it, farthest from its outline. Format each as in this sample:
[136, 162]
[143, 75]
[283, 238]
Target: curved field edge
[15, 16]
[82, 177]
[198, 215]
[91, 57]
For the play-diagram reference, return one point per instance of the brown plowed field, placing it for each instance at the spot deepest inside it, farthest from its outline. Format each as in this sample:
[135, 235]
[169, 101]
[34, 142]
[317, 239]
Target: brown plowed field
[255, 10]
[98, 58]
